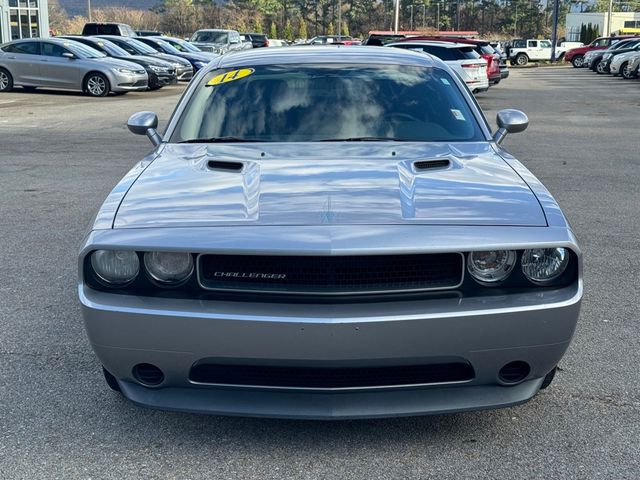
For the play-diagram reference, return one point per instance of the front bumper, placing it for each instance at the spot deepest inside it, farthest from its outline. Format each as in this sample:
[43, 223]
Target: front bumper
[184, 74]
[174, 334]
[129, 83]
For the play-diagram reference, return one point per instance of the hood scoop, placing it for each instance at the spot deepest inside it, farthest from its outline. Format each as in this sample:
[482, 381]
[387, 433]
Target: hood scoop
[225, 166]
[422, 165]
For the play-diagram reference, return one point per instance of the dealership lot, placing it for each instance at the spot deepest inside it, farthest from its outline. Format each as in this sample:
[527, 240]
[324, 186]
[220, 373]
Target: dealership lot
[60, 154]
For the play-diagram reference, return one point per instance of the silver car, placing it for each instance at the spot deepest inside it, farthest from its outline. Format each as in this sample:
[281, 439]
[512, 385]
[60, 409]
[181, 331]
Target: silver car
[69, 65]
[334, 235]
[219, 41]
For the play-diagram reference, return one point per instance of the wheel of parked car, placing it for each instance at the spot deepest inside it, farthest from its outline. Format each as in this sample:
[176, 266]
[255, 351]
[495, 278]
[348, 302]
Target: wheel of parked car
[6, 80]
[96, 85]
[578, 61]
[627, 71]
[600, 68]
[522, 59]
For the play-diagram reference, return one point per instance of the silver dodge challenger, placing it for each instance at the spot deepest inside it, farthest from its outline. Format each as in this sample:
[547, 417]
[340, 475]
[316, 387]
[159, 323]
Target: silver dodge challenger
[329, 233]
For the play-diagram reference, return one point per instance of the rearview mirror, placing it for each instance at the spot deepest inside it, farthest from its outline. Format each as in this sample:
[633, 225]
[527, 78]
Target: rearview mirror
[510, 121]
[145, 123]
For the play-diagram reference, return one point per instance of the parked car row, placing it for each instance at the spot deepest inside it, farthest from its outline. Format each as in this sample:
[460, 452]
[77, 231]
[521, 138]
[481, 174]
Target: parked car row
[621, 57]
[99, 64]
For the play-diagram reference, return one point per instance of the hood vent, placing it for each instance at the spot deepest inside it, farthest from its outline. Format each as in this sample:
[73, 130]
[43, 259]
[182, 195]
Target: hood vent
[431, 164]
[226, 166]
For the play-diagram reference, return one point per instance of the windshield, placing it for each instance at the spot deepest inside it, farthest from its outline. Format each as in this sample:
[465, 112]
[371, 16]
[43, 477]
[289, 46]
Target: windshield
[210, 37]
[310, 103]
[140, 47]
[112, 49]
[182, 45]
[83, 51]
[167, 47]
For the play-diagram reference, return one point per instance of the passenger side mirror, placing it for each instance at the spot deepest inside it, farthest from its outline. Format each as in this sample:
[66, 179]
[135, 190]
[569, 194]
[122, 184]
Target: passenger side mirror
[145, 123]
[69, 55]
[510, 121]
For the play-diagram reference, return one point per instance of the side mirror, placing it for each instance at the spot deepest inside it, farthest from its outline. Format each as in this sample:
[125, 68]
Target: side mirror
[145, 123]
[510, 121]
[69, 55]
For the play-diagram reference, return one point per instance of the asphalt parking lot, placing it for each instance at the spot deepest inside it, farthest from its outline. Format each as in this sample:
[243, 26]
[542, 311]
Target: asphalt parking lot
[60, 154]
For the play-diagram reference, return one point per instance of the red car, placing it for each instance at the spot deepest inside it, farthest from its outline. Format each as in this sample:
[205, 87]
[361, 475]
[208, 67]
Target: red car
[576, 55]
[484, 49]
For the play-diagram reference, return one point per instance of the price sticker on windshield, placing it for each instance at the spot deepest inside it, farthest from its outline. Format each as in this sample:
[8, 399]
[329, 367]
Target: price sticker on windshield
[231, 76]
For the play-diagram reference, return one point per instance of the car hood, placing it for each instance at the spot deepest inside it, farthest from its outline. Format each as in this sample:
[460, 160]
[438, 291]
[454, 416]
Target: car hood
[117, 63]
[199, 57]
[173, 59]
[328, 183]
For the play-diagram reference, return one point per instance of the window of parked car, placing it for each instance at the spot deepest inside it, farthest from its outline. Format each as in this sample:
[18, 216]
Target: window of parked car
[29, 48]
[533, 44]
[444, 53]
[545, 44]
[311, 103]
[210, 37]
[52, 50]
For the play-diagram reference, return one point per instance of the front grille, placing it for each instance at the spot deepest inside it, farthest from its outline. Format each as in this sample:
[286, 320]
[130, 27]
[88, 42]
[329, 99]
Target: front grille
[140, 83]
[330, 377]
[331, 275]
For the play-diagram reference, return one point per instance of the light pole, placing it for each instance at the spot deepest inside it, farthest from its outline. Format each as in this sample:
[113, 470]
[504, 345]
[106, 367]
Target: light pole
[438, 17]
[89, 9]
[397, 17]
[609, 18]
[339, 20]
[424, 15]
[515, 23]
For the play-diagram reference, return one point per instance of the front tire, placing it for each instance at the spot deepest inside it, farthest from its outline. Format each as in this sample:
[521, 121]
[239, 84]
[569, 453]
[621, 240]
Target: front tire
[96, 85]
[600, 68]
[578, 61]
[522, 59]
[628, 73]
[6, 80]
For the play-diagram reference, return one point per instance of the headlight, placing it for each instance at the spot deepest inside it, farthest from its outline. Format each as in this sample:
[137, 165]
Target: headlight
[169, 268]
[126, 71]
[158, 69]
[115, 267]
[491, 267]
[541, 265]
[606, 56]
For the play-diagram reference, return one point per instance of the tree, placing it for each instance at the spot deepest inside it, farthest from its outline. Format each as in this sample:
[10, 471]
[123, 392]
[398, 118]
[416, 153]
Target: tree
[302, 30]
[257, 26]
[273, 31]
[345, 29]
[288, 30]
[331, 29]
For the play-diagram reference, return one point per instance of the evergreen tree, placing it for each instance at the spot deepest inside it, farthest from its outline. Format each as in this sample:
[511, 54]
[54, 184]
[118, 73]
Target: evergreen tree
[331, 30]
[302, 29]
[345, 29]
[288, 30]
[273, 31]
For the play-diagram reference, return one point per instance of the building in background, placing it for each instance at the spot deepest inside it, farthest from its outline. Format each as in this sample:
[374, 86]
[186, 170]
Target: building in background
[619, 21]
[23, 19]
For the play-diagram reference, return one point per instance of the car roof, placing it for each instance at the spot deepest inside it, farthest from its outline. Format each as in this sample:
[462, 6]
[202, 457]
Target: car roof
[444, 38]
[215, 30]
[360, 55]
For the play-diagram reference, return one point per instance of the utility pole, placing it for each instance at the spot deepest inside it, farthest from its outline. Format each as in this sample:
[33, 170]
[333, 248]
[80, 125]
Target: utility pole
[554, 32]
[609, 18]
[458, 16]
[339, 20]
[89, 9]
[515, 23]
[438, 17]
[397, 17]
[424, 16]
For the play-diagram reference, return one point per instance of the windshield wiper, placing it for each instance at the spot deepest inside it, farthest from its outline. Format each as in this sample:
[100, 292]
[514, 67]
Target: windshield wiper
[220, 140]
[363, 139]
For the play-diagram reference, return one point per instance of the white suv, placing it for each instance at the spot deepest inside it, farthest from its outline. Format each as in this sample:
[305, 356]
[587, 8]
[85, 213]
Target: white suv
[462, 58]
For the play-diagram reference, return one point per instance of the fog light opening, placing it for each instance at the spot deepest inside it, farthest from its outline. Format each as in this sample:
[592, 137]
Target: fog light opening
[148, 374]
[514, 372]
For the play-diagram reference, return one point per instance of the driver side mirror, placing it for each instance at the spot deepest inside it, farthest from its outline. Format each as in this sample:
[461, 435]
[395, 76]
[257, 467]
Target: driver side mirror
[69, 55]
[145, 123]
[510, 121]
